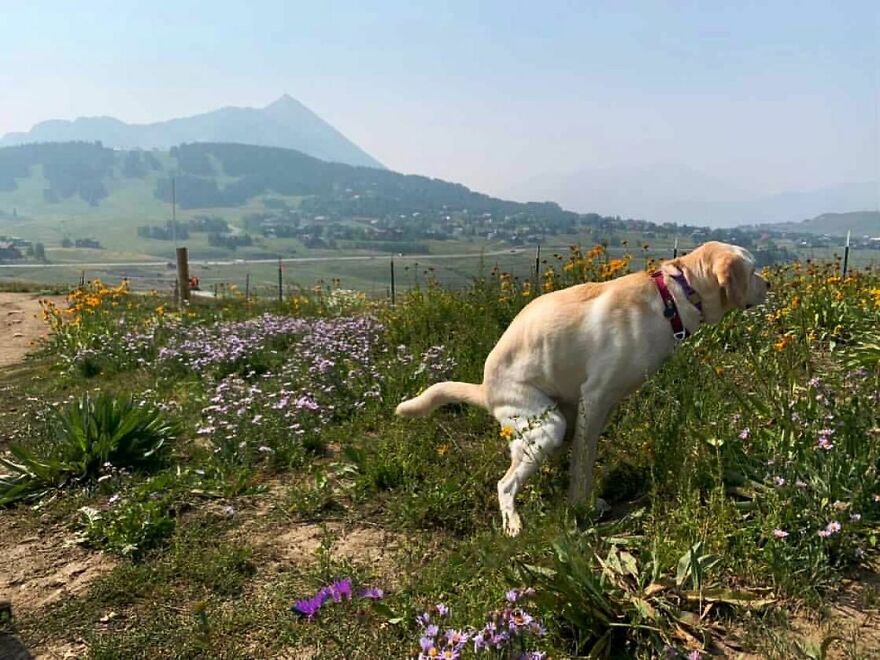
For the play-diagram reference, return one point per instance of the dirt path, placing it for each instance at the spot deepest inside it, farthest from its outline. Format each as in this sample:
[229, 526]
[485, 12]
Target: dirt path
[20, 325]
[40, 567]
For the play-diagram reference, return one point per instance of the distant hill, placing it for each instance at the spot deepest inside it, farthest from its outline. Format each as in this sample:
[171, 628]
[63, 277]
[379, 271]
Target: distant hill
[285, 123]
[230, 175]
[266, 201]
[861, 223]
[50, 191]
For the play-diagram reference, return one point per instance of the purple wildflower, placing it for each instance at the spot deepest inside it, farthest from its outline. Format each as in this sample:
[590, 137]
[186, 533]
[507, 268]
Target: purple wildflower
[831, 528]
[436, 364]
[305, 402]
[824, 441]
[309, 606]
[780, 533]
[519, 619]
[339, 590]
[745, 434]
[372, 593]
[456, 638]
[336, 591]
[427, 646]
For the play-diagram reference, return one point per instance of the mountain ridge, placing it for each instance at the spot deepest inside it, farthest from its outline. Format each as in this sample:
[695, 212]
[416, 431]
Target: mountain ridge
[860, 223]
[284, 123]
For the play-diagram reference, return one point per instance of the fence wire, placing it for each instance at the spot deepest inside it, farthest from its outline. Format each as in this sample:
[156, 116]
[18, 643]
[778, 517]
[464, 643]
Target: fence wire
[368, 274]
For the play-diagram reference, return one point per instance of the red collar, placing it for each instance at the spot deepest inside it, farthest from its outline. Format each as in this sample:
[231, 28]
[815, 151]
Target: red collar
[670, 310]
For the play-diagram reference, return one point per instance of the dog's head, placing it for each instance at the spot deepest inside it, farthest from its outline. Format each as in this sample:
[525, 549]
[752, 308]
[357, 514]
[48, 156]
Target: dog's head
[725, 277]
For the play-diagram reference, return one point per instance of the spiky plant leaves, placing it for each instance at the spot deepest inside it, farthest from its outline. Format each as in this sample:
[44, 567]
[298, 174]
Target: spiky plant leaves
[88, 434]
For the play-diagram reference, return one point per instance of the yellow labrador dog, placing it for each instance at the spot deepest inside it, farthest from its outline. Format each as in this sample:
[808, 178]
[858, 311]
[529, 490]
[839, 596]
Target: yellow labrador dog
[570, 356]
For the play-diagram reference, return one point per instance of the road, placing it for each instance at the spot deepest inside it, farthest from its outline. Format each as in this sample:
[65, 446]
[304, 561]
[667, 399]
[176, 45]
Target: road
[239, 262]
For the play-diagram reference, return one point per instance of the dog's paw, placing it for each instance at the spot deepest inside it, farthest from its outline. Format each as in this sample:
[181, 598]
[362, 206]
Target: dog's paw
[512, 524]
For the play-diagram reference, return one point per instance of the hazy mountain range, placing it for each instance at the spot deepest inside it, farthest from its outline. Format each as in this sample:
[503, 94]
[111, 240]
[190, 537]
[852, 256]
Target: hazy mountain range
[677, 193]
[665, 192]
[284, 123]
[49, 191]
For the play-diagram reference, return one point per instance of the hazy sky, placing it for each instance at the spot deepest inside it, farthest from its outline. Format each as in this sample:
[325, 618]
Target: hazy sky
[764, 96]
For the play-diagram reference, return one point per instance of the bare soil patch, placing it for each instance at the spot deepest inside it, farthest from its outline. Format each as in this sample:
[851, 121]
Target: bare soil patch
[41, 568]
[853, 618]
[284, 542]
[849, 623]
[369, 546]
[21, 326]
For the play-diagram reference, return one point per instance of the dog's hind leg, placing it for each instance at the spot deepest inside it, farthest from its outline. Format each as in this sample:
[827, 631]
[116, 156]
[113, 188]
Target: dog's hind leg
[592, 414]
[536, 436]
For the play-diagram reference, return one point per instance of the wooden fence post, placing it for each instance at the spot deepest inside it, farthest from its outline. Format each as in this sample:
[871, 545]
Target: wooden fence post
[537, 267]
[280, 284]
[393, 291]
[182, 275]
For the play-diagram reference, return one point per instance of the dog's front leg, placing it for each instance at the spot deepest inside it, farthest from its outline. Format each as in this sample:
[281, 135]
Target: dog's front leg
[591, 415]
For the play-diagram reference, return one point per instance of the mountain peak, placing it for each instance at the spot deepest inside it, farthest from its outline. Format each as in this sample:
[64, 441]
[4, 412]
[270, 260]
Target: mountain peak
[285, 123]
[285, 100]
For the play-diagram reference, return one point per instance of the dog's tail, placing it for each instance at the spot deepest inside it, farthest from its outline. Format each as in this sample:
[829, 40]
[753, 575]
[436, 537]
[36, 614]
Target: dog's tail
[441, 394]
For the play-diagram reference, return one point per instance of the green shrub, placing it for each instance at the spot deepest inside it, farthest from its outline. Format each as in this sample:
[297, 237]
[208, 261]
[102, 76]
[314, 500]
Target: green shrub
[130, 528]
[91, 435]
[312, 497]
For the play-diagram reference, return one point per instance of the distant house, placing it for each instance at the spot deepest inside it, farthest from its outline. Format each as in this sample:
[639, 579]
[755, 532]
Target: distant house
[9, 251]
[87, 243]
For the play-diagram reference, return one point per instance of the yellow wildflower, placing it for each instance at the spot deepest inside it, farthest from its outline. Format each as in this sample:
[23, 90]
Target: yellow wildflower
[783, 342]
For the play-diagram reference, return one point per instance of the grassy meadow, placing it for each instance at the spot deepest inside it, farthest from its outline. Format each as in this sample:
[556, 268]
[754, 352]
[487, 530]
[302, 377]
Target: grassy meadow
[237, 468]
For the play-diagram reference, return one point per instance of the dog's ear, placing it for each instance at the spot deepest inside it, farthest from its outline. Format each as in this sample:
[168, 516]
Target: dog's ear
[732, 272]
